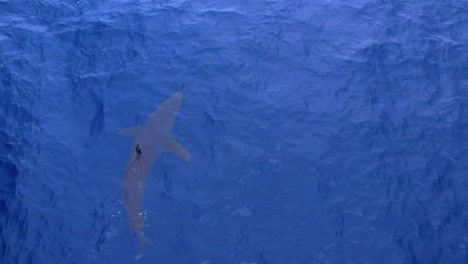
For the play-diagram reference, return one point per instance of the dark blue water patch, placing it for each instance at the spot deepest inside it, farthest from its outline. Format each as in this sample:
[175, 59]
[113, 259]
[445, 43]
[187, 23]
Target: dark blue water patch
[13, 220]
[9, 173]
[5, 144]
[18, 128]
[87, 96]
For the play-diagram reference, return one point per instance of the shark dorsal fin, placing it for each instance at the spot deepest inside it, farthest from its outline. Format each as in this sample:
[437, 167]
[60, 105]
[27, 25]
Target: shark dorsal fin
[172, 145]
[133, 131]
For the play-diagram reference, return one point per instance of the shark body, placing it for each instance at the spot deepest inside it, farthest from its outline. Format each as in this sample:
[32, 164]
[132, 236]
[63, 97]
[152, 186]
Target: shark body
[151, 140]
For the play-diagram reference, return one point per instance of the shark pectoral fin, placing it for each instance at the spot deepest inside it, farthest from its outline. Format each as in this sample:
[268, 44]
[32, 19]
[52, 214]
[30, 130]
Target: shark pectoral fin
[131, 131]
[175, 147]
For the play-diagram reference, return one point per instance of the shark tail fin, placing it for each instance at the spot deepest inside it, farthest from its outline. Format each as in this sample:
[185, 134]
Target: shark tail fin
[142, 239]
[149, 241]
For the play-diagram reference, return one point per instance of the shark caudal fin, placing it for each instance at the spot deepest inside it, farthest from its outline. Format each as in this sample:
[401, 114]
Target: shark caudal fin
[172, 145]
[141, 241]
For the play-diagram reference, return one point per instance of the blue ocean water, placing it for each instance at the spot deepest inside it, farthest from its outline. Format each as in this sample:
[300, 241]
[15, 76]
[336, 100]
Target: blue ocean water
[320, 131]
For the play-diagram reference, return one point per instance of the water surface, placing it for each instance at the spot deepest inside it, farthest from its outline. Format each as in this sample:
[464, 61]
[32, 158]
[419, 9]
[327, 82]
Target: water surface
[320, 131]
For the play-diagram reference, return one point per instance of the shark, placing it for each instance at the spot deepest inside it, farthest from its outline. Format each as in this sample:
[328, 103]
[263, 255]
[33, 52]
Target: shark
[150, 140]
